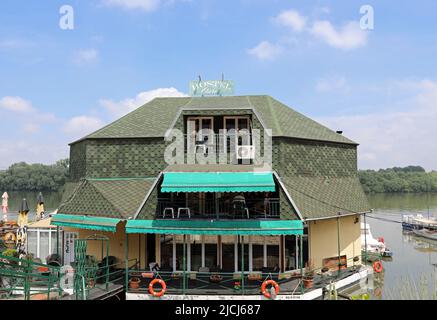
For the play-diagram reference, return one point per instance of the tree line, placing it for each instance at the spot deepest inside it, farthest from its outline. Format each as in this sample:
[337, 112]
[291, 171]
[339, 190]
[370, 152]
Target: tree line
[34, 177]
[407, 179]
[39, 177]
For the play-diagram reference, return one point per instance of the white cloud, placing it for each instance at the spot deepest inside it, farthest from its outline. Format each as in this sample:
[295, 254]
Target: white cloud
[291, 19]
[400, 138]
[119, 108]
[82, 125]
[145, 5]
[15, 44]
[266, 50]
[16, 104]
[86, 56]
[332, 84]
[350, 36]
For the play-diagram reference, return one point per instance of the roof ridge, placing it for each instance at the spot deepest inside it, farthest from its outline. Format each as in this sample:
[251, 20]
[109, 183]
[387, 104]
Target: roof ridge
[275, 118]
[73, 193]
[115, 206]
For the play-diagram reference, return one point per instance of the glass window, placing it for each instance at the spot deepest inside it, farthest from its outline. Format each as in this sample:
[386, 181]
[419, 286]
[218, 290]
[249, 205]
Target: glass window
[43, 245]
[211, 255]
[273, 257]
[196, 255]
[257, 257]
[290, 253]
[32, 242]
[54, 241]
[166, 253]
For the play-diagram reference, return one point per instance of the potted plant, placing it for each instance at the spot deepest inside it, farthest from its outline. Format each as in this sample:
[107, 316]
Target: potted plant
[134, 283]
[308, 278]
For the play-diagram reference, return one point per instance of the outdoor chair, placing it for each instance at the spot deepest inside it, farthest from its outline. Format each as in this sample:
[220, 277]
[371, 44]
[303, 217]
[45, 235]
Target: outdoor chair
[240, 208]
[186, 210]
[168, 210]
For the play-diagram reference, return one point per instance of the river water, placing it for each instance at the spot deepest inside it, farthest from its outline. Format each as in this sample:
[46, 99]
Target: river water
[414, 261]
[411, 273]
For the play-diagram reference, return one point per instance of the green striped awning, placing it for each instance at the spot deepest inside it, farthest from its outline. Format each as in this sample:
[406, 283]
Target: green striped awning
[218, 182]
[85, 222]
[218, 227]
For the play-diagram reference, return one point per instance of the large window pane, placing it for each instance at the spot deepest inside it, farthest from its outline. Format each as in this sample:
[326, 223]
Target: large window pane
[211, 255]
[196, 255]
[166, 252]
[290, 253]
[43, 246]
[31, 242]
[257, 257]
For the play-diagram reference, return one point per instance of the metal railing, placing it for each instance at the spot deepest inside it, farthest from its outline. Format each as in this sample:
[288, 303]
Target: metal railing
[23, 279]
[102, 277]
[268, 208]
[214, 283]
[240, 283]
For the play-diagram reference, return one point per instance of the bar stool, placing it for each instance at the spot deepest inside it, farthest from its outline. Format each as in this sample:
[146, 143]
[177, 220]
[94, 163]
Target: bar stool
[170, 210]
[187, 210]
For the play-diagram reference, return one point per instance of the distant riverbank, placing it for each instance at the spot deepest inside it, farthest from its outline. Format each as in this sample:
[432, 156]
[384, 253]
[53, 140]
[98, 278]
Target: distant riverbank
[411, 179]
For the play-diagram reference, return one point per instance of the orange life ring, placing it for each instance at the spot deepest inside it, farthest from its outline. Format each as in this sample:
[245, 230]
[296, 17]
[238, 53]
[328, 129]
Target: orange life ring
[377, 267]
[159, 293]
[265, 292]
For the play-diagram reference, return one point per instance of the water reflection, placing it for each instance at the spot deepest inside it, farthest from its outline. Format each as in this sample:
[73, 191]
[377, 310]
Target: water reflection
[414, 261]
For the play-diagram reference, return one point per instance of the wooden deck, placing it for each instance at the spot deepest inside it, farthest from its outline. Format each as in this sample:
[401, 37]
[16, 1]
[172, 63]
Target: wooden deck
[100, 292]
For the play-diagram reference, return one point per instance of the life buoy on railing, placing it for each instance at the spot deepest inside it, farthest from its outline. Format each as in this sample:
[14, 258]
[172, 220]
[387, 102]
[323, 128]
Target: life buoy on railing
[152, 290]
[377, 267]
[264, 290]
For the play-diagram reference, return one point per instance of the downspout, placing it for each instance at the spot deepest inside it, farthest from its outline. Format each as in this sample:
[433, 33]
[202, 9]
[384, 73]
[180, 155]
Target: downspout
[338, 243]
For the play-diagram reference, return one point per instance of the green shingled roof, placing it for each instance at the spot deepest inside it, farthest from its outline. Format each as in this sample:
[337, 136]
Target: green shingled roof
[319, 197]
[112, 198]
[157, 116]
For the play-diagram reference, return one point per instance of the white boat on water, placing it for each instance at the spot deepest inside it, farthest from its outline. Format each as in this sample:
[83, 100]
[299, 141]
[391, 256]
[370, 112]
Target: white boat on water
[373, 246]
[428, 230]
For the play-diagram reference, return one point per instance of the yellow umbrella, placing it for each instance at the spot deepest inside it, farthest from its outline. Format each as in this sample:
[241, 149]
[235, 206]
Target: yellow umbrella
[22, 227]
[5, 208]
[40, 207]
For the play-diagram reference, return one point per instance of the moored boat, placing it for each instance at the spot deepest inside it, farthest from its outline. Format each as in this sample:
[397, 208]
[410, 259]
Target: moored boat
[372, 248]
[429, 233]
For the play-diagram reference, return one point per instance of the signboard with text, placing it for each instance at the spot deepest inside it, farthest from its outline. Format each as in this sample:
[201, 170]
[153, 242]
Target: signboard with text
[211, 88]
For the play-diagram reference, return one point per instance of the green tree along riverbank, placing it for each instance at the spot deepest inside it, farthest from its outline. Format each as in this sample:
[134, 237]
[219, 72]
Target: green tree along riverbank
[39, 177]
[34, 177]
[408, 179]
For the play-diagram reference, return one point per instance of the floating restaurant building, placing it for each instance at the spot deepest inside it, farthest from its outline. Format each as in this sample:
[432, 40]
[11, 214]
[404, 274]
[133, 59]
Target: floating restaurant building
[214, 195]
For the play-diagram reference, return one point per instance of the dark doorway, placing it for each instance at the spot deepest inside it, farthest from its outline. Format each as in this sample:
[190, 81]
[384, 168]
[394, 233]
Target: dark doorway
[151, 248]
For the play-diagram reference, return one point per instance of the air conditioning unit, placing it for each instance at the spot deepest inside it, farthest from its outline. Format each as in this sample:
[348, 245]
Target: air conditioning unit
[245, 152]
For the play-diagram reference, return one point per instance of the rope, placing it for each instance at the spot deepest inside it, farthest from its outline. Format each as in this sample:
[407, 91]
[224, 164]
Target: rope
[384, 219]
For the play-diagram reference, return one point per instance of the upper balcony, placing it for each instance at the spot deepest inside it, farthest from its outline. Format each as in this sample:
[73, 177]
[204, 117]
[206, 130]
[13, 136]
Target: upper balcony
[219, 206]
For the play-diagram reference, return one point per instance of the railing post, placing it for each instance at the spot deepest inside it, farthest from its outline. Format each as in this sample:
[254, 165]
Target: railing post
[301, 263]
[126, 259]
[242, 265]
[107, 264]
[184, 263]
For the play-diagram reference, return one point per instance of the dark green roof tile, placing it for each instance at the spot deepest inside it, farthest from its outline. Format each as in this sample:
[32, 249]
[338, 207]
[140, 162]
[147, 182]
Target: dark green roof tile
[321, 197]
[112, 198]
[157, 116]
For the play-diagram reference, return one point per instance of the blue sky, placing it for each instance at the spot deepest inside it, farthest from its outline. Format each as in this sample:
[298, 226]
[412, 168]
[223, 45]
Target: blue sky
[379, 86]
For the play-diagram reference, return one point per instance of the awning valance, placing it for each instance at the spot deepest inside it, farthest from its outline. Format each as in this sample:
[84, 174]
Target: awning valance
[218, 182]
[85, 222]
[218, 227]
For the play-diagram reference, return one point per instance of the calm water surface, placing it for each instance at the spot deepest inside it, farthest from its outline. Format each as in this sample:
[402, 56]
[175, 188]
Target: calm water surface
[414, 258]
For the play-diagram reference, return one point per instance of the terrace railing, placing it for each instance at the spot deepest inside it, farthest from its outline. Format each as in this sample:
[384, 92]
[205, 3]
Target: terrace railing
[23, 279]
[268, 208]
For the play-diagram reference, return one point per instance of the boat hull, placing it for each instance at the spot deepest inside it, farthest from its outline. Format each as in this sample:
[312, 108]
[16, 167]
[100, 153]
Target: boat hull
[425, 233]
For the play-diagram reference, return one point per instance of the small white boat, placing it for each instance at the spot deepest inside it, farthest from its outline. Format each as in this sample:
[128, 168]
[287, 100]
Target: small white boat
[427, 232]
[371, 246]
